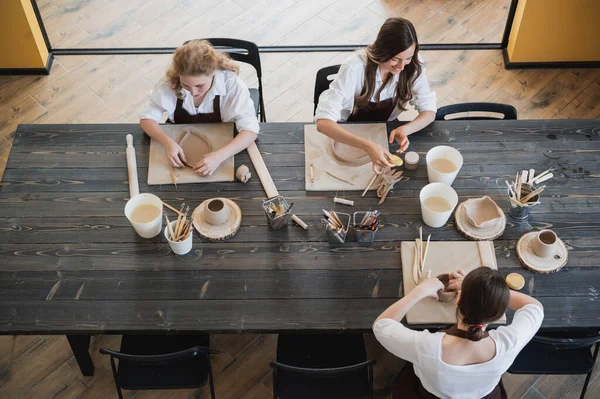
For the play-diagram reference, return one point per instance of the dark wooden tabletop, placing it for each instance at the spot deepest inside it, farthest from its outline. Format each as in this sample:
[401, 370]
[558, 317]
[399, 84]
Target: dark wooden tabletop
[71, 263]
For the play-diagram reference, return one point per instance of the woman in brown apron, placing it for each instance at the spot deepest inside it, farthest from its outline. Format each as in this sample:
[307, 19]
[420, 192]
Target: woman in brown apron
[375, 85]
[462, 361]
[201, 86]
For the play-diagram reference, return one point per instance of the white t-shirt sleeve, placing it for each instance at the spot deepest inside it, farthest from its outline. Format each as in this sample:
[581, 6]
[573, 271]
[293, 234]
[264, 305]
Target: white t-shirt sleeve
[339, 96]
[526, 323]
[237, 106]
[397, 339]
[162, 99]
[424, 99]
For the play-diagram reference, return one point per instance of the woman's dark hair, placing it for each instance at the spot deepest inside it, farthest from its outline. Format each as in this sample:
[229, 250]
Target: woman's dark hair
[395, 36]
[484, 298]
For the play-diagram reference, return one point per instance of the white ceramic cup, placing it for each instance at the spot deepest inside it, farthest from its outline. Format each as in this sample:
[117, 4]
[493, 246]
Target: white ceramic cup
[443, 152]
[216, 212]
[181, 247]
[149, 229]
[437, 217]
[544, 244]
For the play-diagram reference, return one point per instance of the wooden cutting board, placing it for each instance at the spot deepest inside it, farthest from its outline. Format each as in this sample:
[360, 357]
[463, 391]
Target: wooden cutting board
[217, 134]
[319, 152]
[443, 257]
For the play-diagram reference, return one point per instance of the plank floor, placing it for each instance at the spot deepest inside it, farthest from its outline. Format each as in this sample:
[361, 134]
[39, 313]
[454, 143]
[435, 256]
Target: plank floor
[112, 89]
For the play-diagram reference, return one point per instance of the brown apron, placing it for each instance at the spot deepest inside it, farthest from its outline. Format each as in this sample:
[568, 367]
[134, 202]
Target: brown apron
[408, 386]
[379, 111]
[182, 116]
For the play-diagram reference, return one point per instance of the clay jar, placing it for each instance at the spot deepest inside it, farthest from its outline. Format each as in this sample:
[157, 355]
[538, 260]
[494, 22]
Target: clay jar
[445, 295]
[216, 212]
[545, 244]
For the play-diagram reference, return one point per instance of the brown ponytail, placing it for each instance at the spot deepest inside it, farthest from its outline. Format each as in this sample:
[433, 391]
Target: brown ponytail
[483, 299]
[197, 57]
[395, 36]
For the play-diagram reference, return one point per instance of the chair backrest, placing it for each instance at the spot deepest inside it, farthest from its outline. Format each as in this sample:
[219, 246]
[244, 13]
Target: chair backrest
[323, 81]
[566, 343]
[167, 358]
[246, 52]
[508, 111]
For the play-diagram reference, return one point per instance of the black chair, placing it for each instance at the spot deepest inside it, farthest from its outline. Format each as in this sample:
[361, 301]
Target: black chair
[246, 52]
[322, 82]
[508, 111]
[317, 366]
[549, 355]
[148, 362]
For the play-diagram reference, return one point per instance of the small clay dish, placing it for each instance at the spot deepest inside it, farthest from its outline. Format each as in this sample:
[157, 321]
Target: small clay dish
[445, 295]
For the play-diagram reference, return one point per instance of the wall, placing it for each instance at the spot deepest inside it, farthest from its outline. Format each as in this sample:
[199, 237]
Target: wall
[21, 41]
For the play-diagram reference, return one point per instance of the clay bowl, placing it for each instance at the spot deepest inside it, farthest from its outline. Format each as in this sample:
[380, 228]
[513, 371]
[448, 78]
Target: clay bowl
[348, 155]
[445, 295]
[482, 213]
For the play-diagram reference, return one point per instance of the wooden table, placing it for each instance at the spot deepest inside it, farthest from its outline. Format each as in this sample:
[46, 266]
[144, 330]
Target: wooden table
[71, 264]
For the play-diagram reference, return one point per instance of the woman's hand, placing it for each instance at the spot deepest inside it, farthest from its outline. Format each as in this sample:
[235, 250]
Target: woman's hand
[175, 153]
[456, 279]
[209, 163]
[401, 137]
[379, 155]
[430, 287]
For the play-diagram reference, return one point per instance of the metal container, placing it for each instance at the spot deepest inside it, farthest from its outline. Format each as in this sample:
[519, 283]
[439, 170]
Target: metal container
[522, 212]
[360, 234]
[339, 238]
[280, 221]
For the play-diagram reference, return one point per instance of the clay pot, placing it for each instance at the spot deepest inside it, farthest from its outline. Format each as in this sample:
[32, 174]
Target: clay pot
[445, 295]
[216, 212]
[482, 213]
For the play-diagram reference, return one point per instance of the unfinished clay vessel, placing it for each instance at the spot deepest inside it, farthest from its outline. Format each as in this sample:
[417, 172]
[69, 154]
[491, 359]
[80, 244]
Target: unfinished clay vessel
[194, 147]
[482, 213]
[348, 155]
[445, 295]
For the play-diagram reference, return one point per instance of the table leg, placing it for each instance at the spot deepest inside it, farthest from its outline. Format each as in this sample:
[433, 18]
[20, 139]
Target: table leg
[80, 346]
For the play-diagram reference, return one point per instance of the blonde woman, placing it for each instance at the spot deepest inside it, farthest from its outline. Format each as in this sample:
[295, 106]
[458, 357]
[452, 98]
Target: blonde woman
[201, 86]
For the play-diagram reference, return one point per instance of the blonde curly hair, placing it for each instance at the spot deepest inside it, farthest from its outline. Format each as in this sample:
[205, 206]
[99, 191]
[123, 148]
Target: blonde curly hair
[196, 57]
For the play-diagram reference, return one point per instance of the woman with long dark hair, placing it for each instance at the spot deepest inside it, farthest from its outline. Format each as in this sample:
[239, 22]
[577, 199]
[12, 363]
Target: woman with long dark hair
[465, 360]
[375, 85]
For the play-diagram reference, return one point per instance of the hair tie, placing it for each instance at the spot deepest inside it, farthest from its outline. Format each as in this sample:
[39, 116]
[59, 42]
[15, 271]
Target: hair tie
[479, 326]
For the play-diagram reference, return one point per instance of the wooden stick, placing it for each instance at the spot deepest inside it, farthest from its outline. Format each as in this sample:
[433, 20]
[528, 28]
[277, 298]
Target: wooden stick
[262, 171]
[174, 177]
[171, 208]
[169, 228]
[339, 178]
[300, 222]
[542, 179]
[370, 184]
[533, 194]
[421, 247]
[426, 250]
[510, 190]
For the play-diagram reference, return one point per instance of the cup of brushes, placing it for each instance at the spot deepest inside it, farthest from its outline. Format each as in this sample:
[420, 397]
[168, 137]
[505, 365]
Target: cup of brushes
[277, 210]
[365, 225]
[179, 234]
[523, 194]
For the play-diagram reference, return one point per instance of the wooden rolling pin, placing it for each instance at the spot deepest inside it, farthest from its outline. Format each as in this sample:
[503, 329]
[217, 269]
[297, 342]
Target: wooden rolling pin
[134, 187]
[262, 171]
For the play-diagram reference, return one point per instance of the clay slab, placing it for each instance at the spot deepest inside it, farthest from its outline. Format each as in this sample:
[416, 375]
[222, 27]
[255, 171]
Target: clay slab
[218, 135]
[340, 160]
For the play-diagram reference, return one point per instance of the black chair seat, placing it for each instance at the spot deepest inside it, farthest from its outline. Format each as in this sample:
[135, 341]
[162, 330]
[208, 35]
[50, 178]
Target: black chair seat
[326, 351]
[536, 358]
[190, 373]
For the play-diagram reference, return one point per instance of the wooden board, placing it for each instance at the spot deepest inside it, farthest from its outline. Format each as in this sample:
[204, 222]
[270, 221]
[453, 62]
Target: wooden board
[217, 134]
[319, 152]
[443, 257]
[531, 261]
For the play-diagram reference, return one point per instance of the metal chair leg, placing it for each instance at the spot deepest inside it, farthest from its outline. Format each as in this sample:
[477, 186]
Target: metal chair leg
[587, 379]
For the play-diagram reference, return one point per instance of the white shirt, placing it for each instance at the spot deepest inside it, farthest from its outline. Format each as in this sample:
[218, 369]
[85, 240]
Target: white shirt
[424, 350]
[235, 101]
[337, 102]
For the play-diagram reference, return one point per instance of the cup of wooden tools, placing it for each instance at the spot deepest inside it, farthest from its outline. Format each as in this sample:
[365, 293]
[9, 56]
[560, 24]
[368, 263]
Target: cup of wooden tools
[179, 233]
[522, 193]
[336, 226]
[277, 210]
[144, 212]
[365, 225]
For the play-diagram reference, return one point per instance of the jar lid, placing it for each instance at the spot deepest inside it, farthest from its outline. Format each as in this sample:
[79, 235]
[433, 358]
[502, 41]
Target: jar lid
[411, 157]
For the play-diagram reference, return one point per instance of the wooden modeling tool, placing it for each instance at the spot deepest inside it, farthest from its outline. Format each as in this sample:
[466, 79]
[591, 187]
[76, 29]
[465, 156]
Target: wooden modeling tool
[369, 222]
[174, 177]
[300, 222]
[171, 208]
[312, 174]
[339, 178]
[134, 187]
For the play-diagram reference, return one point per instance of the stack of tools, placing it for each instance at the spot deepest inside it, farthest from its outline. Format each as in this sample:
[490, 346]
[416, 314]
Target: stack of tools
[420, 257]
[369, 222]
[183, 225]
[388, 180]
[520, 197]
[336, 229]
[276, 210]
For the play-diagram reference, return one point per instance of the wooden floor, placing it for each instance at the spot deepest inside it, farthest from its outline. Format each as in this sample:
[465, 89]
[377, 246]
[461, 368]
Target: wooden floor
[112, 89]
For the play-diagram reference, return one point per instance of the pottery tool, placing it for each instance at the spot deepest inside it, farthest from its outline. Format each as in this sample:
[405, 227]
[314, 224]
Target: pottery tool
[544, 173]
[335, 225]
[343, 201]
[174, 177]
[542, 179]
[171, 208]
[515, 281]
[532, 194]
[369, 222]
[370, 184]
[169, 228]
[262, 171]
[312, 174]
[388, 180]
[300, 222]
[134, 187]
[531, 176]
[339, 178]
[278, 209]
[524, 175]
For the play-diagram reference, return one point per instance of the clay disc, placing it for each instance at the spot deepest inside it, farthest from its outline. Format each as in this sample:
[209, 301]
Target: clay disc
[194, 147]
[531, 261]
[222, 232]
[348, 155]
[472, 233]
